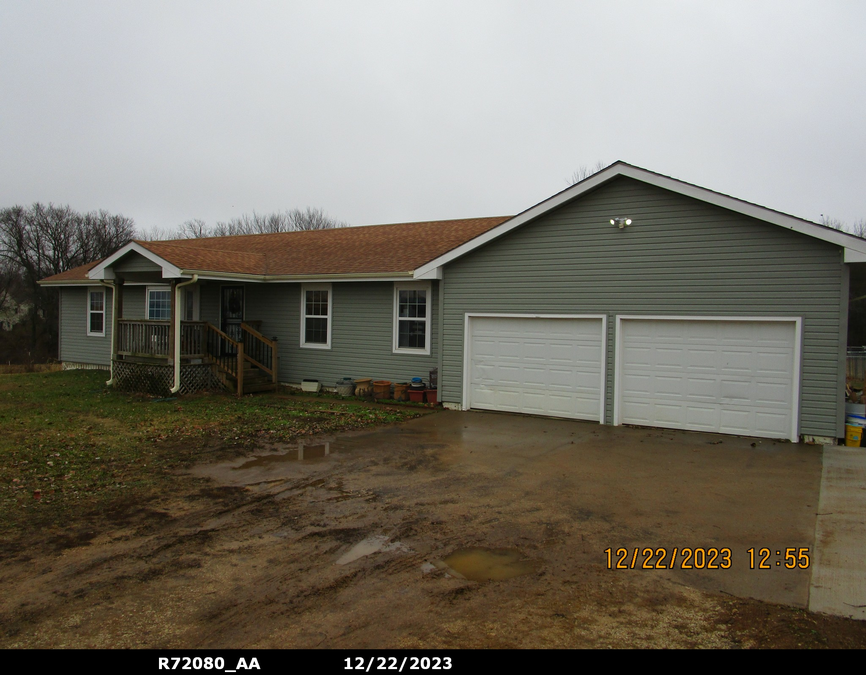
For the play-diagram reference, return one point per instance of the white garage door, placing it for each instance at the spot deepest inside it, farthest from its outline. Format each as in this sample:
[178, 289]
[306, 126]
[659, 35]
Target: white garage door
[731, 377]
[540, 366]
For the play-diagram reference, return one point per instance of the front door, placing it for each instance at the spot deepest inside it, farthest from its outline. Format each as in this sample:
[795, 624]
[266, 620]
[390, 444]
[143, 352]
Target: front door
[232, 312]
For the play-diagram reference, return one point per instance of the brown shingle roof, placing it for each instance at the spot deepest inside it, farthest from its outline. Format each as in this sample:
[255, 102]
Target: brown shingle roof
[75, 274]
[378, 249]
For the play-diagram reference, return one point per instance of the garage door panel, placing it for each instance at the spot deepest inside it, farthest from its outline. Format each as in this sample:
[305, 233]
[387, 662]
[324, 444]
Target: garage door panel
[725, 376]
[638, 384]
[701, 417]
[636, 356]
[773, 394]
[558, 378]
[536, 365]
[735, 391]
[669, 414]
[668, 386]
[771, 423]
[702, 388]
[700, 359]
[770, 363]
[533, 377]
[668, 358]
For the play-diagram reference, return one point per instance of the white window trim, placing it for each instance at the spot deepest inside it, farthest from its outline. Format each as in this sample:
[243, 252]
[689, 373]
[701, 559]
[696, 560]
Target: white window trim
[91, 290]
[149, 290]
[425, 286]
[315, 287]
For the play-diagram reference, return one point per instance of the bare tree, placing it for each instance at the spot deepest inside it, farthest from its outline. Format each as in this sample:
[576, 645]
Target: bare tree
[193, 229]
[281, 221]
[253, 223]
[41, 240]
[11, 286]
[313, 219]
[858, 229]
[584, 172]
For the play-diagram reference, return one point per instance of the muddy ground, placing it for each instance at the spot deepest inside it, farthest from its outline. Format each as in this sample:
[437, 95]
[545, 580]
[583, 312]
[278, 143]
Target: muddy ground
[265, 552]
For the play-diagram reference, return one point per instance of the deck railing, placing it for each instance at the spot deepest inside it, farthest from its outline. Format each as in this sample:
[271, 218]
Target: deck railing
[153, 338]
[143, 338]
[192, 338]
[259, 350]
[226, 353]
[199, 339]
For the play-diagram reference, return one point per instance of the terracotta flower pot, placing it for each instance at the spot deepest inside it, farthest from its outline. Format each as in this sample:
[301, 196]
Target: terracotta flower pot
[381, 389]
[416, 395]
[431, 395]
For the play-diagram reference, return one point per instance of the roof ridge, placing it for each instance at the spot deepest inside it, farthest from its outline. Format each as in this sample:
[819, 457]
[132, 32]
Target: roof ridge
[314, 232]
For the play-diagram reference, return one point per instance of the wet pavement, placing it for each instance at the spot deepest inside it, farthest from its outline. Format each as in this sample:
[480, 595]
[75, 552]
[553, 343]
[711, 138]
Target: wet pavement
[707, 511]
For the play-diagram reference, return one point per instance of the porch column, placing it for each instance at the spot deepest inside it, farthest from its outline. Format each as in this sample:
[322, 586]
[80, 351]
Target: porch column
[115, 326]
[173, 355]
[175, 328]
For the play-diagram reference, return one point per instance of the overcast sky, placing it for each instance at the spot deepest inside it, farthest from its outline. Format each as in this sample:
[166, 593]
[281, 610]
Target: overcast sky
[383, 112]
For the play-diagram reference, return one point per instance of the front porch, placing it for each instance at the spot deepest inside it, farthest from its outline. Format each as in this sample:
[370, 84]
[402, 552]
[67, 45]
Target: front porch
[143, 358]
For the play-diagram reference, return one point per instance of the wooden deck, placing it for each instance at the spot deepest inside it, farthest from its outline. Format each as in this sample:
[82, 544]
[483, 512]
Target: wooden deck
[145, 348]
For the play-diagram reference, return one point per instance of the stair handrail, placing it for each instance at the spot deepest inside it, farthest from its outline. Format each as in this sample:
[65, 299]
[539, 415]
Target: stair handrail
[226, 363]
[267, 349]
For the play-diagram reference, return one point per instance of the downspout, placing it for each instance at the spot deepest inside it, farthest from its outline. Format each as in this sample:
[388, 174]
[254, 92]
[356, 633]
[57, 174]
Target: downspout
[176, 387]
[114, 318]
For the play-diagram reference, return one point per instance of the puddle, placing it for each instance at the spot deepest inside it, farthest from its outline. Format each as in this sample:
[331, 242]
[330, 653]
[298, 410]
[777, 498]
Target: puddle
[378, 543]
[484, 564]
[317, 451]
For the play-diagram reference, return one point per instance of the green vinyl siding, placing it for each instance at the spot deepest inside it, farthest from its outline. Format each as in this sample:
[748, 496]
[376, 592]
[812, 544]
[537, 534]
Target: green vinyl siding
[362, 316]
[134, 302]
[679, 256]
[76, 346]
[135, 262]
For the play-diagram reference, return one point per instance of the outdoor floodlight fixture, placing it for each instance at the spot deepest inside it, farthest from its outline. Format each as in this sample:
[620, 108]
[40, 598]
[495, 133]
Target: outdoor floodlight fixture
[620, 222]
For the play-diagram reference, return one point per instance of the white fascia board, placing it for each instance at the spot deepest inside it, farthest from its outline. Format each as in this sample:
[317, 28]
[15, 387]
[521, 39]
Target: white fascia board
[290, 279]
[102, 271]
[435, 273]
[71, 282]
[855, 248]
[854, 256]
[847, 241]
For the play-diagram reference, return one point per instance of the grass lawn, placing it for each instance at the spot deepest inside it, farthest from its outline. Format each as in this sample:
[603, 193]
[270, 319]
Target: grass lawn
[70, 445]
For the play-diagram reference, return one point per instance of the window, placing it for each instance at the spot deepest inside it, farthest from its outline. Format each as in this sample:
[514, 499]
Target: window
[190, 303]
[316, 316]
[159, 303]
[96, 312]
[412, 318]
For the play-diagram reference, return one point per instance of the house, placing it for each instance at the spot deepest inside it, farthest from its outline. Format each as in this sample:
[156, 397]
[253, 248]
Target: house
[628, 298]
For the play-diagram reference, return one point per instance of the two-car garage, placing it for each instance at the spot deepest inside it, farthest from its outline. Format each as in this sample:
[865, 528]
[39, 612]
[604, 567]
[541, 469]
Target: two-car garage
[732, 375]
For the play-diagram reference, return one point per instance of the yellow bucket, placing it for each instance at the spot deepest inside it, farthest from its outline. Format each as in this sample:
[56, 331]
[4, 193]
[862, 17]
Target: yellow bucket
[853, 435]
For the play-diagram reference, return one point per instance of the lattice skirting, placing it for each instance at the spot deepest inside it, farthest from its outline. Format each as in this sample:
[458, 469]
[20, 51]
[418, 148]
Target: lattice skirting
[158, 379]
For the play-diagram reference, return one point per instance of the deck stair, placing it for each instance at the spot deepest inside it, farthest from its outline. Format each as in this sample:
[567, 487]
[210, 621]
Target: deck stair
[245, 366]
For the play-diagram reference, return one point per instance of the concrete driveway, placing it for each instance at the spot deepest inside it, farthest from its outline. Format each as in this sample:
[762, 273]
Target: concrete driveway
[839, 573]
[651, 488]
